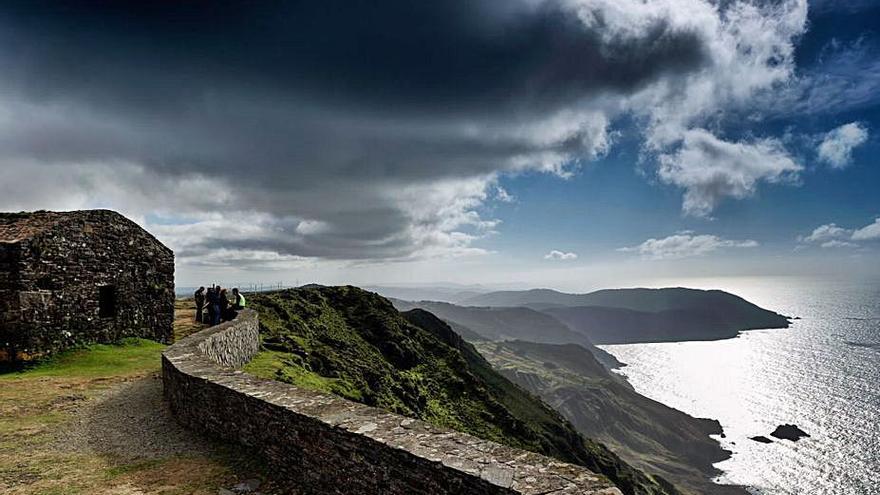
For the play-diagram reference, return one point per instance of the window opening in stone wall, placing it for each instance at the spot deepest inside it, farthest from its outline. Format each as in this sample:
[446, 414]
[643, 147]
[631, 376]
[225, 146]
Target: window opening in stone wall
[107, 301]
[47, 283]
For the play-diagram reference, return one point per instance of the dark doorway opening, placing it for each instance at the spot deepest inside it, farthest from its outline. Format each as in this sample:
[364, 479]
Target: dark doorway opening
[46, 283]
[107, 301]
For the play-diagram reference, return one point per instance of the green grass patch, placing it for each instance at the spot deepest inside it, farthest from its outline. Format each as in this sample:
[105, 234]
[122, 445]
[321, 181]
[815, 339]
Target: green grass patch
[124, 469]
[130, 356]
[276, 365]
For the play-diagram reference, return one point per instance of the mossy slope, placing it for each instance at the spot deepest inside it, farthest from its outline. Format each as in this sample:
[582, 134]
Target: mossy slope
[354, 343]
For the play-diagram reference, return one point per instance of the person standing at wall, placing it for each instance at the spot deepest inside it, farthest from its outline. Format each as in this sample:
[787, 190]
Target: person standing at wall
[224, 306]
[238, 300]
[199, 296]
[213, 298]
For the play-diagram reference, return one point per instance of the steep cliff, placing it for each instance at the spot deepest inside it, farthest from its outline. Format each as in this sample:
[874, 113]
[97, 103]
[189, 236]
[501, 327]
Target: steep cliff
[646, 433]
[356, 344]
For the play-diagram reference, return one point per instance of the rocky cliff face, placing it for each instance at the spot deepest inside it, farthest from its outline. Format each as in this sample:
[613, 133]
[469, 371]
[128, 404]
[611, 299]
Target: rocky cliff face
[646, 433]
[355, 344]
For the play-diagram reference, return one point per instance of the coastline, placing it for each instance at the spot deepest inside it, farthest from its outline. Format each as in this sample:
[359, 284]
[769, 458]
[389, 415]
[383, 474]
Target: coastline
[605, 406]
[718, 435]
[714, 432]
[714, 429]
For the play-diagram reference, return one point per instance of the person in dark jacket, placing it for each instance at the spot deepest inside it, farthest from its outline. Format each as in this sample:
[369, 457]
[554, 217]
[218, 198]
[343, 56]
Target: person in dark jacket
[199, 296]
[224, 306]
[213, 298]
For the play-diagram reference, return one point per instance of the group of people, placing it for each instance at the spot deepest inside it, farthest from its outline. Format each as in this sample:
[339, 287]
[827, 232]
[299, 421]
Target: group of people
[214, 305]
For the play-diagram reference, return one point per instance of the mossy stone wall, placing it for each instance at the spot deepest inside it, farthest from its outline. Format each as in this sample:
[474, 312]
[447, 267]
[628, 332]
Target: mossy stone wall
[318, 443]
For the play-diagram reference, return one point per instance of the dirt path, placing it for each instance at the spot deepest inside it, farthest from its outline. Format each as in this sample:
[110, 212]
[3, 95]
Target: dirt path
[95, 423]
[131, 423]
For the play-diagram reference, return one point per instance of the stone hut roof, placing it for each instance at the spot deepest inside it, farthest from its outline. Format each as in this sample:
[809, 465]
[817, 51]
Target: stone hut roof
[17, 227]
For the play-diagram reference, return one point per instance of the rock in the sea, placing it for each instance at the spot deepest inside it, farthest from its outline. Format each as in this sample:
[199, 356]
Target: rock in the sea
[789, 432]
[761, 439]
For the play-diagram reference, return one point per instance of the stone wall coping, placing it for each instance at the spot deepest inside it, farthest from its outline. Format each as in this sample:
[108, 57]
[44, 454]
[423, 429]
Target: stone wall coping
[511, 470]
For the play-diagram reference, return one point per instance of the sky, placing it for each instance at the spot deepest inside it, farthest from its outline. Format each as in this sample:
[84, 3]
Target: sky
[555, 143]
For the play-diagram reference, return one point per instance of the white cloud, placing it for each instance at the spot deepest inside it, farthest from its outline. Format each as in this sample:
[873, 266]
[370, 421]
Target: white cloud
[837, 146]
[750, 50]
[710, 169]
[833, 236]
[685, 245]
[502, 195]
[825, 233]
[869, 232]
[560, 256]
[838, 244]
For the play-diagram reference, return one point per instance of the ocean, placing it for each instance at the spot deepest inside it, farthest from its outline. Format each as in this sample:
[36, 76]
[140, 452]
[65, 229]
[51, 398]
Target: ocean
[822, 374]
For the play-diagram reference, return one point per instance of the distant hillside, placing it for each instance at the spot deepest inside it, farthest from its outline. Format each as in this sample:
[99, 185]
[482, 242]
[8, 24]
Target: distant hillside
[644, 432]
[621, 326]
[501, 323]
[530, 298]
[354, 343]
[476, 324]
[451, 294]
[644, 315]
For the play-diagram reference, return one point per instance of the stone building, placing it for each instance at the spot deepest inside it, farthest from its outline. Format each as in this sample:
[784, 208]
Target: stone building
[80, 277]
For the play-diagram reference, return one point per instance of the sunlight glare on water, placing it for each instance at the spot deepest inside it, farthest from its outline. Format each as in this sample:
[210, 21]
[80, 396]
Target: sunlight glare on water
[821, 374]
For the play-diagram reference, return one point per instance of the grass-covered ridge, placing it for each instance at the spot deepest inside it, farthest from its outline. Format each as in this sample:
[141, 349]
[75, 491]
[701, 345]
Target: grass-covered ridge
[355, 344]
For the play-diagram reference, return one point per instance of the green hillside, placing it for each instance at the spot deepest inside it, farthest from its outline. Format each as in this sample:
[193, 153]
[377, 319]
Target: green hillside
[355, 344]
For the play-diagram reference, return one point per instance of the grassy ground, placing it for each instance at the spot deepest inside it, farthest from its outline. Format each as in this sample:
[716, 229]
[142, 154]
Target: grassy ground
[56, 419]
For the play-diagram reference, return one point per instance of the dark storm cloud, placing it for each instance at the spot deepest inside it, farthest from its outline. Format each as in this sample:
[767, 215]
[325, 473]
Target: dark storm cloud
[414, 55]
[370, 118]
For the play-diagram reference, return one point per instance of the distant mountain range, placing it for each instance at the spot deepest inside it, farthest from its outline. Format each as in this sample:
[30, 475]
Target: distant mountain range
[499, 323]
[444, 293]
[617, 316]
[476, 324]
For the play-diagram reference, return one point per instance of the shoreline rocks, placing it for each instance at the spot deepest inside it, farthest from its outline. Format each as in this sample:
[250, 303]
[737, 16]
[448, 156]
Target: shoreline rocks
[783, 432]
[789, 432]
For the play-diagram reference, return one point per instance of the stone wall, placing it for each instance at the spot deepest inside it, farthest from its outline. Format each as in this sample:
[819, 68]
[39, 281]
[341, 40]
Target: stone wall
[9, 254]
[52, 278]
[323, 444]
